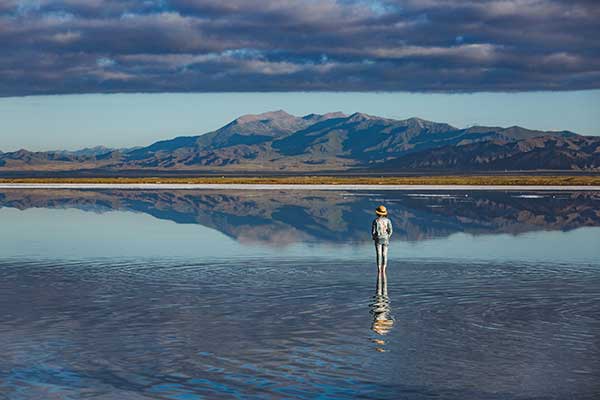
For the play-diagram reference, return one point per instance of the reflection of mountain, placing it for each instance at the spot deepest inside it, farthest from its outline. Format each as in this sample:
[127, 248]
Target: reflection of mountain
[284, 217]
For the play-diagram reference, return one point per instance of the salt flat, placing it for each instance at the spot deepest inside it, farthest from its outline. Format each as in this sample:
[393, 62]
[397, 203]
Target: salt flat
[159, 186]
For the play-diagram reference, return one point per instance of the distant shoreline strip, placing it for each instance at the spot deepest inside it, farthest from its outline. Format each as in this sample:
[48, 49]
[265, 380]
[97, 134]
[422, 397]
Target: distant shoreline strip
[249, 186]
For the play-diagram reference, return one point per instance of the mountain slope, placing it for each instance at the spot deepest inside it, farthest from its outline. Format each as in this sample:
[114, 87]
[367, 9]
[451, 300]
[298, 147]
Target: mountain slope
[246, 137]
[278, 141]
[545, 152]
[367, 138]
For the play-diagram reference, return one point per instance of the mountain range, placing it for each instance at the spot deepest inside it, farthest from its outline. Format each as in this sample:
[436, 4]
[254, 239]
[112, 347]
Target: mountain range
[279, 142]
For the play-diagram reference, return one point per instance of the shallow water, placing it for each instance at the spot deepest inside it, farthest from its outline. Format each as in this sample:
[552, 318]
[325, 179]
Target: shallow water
[274, 295]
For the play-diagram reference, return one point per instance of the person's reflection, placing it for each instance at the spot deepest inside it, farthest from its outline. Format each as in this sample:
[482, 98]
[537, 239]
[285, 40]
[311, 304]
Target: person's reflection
[380, 309]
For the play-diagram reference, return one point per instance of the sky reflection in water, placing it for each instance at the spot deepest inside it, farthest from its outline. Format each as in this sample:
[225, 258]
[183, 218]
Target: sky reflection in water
[139, 295]
[208, 224]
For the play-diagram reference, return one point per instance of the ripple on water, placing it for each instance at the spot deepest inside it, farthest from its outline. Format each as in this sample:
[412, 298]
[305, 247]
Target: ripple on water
[290, 328]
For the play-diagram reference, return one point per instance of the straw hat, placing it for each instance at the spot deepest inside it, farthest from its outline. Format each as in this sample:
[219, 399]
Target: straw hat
[381, 210]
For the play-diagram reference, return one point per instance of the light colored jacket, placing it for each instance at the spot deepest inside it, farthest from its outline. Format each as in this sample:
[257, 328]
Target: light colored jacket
[381, 230]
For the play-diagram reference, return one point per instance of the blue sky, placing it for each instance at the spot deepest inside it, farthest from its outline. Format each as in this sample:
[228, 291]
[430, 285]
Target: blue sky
[124, 120]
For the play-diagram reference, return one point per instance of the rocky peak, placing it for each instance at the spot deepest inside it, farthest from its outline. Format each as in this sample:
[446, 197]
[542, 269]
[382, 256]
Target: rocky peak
[359, 117]
[271, 115]
[318, 117]
[336, 114]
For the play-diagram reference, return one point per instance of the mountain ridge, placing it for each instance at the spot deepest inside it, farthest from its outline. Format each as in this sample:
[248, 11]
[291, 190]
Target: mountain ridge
[279, 141]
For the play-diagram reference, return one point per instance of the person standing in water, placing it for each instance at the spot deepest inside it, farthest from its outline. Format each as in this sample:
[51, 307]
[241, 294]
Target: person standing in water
[381, 231]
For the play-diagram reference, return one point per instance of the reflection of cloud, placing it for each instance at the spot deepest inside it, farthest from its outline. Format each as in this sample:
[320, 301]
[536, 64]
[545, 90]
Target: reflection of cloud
[208, 45]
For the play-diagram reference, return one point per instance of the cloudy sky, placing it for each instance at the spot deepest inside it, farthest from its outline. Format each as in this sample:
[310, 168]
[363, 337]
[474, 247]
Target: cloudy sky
[534, 63]
[70, 46]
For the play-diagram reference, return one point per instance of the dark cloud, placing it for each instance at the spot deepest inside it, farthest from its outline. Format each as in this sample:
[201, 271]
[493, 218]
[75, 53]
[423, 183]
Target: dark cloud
[69, 46]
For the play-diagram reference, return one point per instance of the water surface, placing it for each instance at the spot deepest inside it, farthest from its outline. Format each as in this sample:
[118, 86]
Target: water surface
[233, 294]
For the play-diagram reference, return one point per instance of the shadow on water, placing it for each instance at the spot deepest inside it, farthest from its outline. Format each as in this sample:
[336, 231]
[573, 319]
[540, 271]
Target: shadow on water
[383, 321]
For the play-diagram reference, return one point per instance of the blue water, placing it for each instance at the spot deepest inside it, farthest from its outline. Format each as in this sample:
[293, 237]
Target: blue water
[146, 295]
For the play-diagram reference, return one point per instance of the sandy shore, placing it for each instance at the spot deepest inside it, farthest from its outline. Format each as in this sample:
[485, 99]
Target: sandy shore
[155, 186]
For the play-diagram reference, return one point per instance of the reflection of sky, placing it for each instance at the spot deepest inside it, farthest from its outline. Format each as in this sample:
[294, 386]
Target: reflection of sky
[66, 233]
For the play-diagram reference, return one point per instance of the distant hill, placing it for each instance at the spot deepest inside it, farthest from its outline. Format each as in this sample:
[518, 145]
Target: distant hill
[278, 141]
[542, 152]
[92, 151]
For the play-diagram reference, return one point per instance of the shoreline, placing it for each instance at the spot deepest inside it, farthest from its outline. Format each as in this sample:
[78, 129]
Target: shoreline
[312, 182]
[250, 186]
[449, 179]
